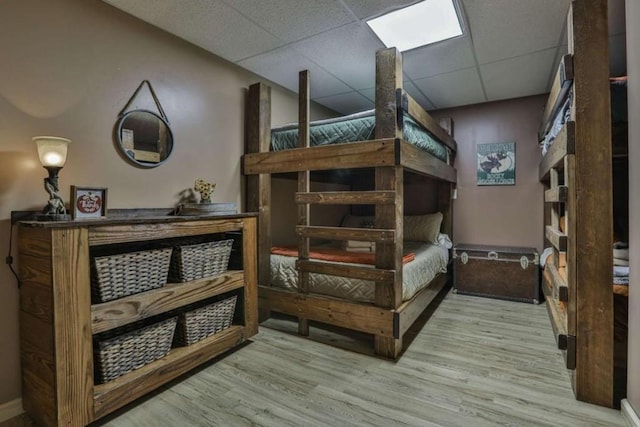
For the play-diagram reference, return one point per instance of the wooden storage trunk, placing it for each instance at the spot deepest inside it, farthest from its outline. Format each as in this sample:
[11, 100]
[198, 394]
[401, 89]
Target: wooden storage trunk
[497, 272]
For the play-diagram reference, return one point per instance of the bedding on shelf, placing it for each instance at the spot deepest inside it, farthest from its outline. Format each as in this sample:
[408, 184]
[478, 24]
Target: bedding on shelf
[618, 88]
[353, 128]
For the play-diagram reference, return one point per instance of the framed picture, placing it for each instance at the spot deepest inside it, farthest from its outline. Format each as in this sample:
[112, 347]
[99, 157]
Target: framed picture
[496, 163]
[88, 202]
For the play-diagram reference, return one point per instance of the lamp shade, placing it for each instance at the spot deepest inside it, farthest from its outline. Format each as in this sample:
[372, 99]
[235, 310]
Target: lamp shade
[52, 150]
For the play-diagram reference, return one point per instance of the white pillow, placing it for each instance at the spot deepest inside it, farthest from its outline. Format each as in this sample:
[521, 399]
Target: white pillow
[423, 228]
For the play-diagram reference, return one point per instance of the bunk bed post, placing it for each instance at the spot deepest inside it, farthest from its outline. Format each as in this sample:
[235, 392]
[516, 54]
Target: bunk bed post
[390, 178]
[303, 187]
[258, 187]
[589, 45]
[445, 188]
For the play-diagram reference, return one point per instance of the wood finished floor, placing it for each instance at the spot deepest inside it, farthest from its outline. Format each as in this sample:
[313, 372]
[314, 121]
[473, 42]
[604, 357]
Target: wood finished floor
[475, 362]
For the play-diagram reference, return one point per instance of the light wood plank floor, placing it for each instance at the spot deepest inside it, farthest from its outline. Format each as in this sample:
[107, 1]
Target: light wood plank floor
[475, 362]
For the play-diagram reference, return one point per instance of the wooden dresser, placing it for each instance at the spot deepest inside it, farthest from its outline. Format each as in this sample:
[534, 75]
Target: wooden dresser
[58, 322]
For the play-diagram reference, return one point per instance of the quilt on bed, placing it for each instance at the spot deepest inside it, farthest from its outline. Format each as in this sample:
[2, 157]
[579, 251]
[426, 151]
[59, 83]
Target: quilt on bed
[352, 128]
[429, 261]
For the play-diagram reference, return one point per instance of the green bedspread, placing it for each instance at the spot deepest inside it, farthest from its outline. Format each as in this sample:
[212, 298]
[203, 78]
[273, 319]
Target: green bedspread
[352, 128]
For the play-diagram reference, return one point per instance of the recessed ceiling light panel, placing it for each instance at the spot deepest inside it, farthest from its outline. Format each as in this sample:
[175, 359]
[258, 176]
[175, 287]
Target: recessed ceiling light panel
[420, 24]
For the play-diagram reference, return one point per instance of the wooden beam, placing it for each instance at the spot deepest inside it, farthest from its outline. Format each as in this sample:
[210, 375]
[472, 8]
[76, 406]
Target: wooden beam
[563, 144]
[342, 270]
[416, 111]
[258, 187]
[380, 152]
[122, 311]
[73, 343]
[304, 182]
[557, 316]
[410, 310]
[556, 238]
[345, 233]
[557, 194]
[594, 225]
[417, 160]
[125, 233]
[361, 317]
[347, 198]
[557, 284]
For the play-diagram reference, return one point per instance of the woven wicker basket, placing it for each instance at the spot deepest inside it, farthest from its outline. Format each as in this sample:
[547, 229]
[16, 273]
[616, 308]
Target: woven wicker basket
[197, 261]
[116, 276]
[131, 350]
[200, 323]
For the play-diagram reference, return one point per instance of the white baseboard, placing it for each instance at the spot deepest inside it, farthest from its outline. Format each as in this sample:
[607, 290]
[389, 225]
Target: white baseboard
[10, 409]
[629, 414]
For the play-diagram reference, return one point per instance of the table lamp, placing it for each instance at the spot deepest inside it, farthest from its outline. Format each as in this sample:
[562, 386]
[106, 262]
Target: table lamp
[52, 152]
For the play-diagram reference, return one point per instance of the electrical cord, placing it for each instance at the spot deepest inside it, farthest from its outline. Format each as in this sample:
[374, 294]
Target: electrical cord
[9, 259]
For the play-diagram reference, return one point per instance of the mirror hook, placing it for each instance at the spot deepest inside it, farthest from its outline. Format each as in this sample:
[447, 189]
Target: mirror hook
[155, 99]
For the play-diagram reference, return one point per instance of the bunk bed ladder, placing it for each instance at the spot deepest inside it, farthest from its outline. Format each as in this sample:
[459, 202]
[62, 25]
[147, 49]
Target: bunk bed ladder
[304, 178]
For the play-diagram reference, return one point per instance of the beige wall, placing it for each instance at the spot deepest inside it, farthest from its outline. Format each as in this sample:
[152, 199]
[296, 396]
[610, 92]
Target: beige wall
[498, 215]
[633, 92]
[68, 68]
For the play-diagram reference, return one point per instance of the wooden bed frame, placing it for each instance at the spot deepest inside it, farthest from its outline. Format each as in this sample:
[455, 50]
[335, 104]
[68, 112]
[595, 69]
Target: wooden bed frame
[577, 170]
[389, 155]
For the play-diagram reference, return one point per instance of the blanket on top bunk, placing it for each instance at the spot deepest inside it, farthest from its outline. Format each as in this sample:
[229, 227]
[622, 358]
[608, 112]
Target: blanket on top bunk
[352, 128]
[430, 260]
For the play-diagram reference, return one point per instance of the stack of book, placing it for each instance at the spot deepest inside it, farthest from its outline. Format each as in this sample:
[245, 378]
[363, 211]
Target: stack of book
[358, 246]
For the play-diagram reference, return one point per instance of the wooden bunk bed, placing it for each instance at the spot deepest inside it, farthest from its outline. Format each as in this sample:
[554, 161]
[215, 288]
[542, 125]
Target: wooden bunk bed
[389, 156]
[577, 169]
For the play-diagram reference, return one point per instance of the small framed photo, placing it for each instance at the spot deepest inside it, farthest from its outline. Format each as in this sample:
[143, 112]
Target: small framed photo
[88, 202]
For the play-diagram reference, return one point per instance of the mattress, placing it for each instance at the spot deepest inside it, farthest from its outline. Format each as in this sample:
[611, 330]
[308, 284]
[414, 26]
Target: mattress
[429, 261]
[353, 128]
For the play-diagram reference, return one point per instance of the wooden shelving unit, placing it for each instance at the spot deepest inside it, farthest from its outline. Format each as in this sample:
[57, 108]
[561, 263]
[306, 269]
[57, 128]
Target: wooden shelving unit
[58, 321]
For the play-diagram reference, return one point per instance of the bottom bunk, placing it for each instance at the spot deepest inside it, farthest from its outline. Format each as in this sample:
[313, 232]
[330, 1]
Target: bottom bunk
[348, 302]
[387, 325]
[556, 295]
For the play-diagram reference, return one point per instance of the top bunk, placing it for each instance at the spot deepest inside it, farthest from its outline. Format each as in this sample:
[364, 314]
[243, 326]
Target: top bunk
[558, 121]
[399, 132]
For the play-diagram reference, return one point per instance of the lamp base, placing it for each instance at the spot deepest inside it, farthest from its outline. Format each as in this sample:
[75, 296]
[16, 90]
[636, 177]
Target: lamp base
[53, 217]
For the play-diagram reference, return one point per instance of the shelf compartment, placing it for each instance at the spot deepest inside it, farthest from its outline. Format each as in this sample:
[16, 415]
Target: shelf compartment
[129, 387]
[113, 314]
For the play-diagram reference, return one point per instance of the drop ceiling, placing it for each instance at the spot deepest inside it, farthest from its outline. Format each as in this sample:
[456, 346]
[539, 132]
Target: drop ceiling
[509, 49]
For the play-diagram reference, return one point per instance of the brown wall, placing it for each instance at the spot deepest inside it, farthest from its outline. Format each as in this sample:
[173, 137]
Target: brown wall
[633, 92]
[68, 68]
[498, 215]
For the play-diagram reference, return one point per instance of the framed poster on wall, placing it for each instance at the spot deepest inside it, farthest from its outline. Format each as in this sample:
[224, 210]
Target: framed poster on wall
[496, 163]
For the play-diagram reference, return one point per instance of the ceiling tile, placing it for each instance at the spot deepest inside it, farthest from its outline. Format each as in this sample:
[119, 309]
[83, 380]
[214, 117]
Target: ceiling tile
[347, 52]
[522, 76]
[283, 65]
[461, 87]
[346, 103]
[411, 89]
[439, 58]
[373, 8]
[291, 21]
[417, 95]
[210, 24]
[506, 28]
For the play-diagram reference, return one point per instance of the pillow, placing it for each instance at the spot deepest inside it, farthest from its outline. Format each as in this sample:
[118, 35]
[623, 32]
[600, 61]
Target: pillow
[423, 228]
